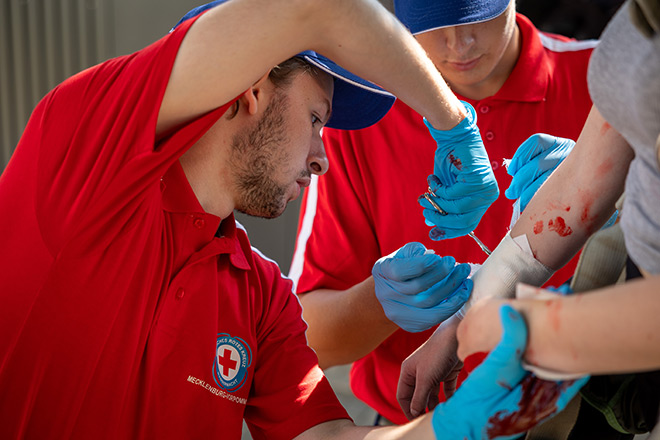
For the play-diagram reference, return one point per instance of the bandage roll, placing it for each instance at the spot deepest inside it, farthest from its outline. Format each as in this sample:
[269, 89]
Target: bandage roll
[510, 263]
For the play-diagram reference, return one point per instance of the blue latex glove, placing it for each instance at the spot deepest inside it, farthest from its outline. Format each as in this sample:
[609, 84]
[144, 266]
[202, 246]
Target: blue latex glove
[564, 289]
[418, 290]
[462, 179]
[532, 164]
[500, 399]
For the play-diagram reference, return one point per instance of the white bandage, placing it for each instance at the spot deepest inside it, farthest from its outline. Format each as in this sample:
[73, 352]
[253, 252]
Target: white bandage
[510, 263]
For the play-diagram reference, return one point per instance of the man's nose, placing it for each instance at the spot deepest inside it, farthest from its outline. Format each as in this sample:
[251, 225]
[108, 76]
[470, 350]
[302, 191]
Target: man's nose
[317, 162]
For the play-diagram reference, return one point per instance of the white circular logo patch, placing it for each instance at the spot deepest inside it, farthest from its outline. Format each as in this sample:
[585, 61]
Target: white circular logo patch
[233, 357]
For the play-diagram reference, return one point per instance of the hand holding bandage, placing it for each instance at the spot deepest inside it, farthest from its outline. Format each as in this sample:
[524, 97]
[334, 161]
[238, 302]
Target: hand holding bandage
[418, 289]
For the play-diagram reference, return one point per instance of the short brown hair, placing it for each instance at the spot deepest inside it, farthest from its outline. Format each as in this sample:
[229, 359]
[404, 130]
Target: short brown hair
[282, 74]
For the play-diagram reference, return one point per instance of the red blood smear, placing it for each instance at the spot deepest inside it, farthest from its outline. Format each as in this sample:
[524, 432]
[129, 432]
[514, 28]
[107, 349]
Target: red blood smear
[456, 162]
[605, 167]
[587, 219]
[559, 226]
[554, 308]
[538, 227]
[538, 401]
[605, 128]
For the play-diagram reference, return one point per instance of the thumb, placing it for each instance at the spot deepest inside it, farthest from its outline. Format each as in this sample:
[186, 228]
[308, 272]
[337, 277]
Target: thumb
[502, 367]
[411, 249]
[514, 336]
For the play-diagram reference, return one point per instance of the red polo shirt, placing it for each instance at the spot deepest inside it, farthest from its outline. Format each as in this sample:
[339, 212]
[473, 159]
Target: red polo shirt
[127, 311]
[366, 205]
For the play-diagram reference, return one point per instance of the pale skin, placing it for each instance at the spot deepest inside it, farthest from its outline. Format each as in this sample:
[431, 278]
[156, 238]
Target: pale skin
[476, 60]
[360, 35]
[610, 330]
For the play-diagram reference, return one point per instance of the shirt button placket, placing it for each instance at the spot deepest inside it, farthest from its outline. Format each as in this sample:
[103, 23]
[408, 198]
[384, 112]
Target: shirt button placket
[199, 222]
[180, 293]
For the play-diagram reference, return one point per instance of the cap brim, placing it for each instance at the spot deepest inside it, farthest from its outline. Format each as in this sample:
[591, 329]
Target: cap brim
[356, 103]
[427, 15]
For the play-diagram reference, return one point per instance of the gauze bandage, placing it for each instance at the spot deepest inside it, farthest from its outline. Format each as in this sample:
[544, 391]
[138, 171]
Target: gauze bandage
[510, 263]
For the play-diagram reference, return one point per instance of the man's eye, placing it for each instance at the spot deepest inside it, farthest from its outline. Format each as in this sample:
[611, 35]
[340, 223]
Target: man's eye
[315, 120]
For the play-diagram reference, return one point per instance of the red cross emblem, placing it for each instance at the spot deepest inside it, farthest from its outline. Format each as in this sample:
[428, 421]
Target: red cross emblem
[226, 362]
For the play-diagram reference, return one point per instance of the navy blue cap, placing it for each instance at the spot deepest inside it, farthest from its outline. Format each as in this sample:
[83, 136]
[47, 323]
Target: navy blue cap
[427, 15]
[356, 103]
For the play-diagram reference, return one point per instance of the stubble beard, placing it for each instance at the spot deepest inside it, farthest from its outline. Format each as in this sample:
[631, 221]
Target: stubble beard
[255, 157]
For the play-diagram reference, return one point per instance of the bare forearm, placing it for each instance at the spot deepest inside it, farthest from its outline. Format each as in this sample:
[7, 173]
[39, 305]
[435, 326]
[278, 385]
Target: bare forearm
[344, 325]
[377, 47]
[578, 198]
[612, 330]
[360, 35]
[418, 429]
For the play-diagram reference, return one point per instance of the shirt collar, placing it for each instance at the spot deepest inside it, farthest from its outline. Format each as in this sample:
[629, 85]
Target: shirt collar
[178, 197]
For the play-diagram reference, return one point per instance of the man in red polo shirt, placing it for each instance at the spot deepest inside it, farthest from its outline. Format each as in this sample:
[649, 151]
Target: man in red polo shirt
[132, 303]
[520, 82]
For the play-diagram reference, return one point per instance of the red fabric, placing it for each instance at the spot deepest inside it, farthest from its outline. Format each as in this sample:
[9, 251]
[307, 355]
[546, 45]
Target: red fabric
[116, 291]
[367, 202]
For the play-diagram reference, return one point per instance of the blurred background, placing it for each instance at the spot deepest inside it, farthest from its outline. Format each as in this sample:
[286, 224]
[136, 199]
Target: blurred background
[42, 42]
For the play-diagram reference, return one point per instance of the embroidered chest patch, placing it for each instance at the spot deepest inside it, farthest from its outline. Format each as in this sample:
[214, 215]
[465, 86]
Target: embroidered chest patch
[233, 357]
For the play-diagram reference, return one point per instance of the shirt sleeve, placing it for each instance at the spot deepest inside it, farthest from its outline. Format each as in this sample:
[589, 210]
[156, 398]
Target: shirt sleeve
[337, 244]
[289, 393]
[93, 141]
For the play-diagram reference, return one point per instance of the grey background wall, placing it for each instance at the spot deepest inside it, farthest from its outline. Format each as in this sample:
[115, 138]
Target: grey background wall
[42, 42]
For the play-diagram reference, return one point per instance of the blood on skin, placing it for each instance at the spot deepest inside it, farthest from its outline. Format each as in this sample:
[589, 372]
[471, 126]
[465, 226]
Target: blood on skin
[554, 307]
[559, 226]
[538, 401]
[604, 167]
[538, 227]
[605, 128]
[586, 218]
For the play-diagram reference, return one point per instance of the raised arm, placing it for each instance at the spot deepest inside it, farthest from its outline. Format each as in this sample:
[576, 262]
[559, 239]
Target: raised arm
[234, 44]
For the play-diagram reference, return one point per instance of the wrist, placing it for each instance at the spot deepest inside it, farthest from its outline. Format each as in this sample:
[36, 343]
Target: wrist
[467, 125]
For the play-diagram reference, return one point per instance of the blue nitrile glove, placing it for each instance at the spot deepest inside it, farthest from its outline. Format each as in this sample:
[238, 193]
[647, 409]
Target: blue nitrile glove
[500, 399]
[418, 290]
[462, 179]
[564, 289]
[534, 161]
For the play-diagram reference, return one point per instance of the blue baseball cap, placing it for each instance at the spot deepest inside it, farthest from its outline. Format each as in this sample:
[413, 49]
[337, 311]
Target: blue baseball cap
[356, 103]
[427, 15]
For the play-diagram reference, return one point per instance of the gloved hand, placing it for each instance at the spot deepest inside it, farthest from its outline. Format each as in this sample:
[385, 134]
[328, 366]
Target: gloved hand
[418, 290]
[500, 399]
[532, 164]
[462, 180]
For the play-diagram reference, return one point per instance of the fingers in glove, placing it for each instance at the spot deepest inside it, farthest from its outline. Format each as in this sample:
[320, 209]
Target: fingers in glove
[438, 270]
[502, 367]
[528, 150]
[523, 179]
[415, 274]
[451, 291]
[476, 191]
[411, 249]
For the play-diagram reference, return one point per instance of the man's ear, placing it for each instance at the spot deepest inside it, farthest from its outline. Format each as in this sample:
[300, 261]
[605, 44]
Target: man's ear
[254, 96]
